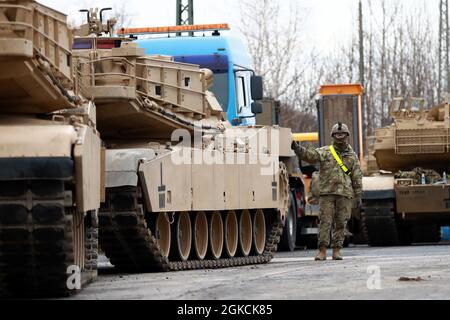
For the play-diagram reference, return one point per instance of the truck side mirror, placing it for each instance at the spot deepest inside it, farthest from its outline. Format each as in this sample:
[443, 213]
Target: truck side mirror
[257, 87]
[257, 108]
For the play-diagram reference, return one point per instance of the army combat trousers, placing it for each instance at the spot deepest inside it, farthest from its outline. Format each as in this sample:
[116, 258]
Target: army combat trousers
[335, 211]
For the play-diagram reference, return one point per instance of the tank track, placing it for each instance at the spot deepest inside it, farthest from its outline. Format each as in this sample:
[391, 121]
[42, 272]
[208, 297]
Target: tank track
[37, 240]
[131, 246]
[379, 224]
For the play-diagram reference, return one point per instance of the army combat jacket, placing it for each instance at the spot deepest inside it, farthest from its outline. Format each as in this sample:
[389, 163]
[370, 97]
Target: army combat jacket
[333, 180]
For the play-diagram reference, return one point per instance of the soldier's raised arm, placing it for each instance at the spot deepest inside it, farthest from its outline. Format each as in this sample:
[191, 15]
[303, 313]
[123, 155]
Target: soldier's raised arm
[309, 154]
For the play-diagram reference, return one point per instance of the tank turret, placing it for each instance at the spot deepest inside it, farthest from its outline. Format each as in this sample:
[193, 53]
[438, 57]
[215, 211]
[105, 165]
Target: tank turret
[149, 97]
[419, 137]
[407, 201]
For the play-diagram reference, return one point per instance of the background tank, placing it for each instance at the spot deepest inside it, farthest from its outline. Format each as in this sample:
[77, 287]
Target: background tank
[50, 159]
[408, 201]
[417, 138]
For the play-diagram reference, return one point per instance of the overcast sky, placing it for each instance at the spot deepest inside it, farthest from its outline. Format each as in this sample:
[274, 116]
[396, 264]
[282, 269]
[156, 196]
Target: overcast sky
[328, 22]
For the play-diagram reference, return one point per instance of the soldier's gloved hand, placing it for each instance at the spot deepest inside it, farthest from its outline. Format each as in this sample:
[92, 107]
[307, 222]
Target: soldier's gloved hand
[357, 203]
[295, 145]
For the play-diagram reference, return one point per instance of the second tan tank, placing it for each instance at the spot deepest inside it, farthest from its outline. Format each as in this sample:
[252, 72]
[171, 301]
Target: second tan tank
[184, 190]
[408, 200]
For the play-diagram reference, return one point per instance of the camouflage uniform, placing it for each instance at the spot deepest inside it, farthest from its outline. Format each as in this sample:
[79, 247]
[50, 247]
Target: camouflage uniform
[337, 189]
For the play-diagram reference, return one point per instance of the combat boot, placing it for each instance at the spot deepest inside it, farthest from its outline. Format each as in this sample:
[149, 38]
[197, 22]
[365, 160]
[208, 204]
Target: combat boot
[337, 254]
[322, 255]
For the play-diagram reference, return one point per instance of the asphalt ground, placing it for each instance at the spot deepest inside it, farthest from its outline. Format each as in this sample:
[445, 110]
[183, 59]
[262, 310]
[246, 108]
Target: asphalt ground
[420, 272]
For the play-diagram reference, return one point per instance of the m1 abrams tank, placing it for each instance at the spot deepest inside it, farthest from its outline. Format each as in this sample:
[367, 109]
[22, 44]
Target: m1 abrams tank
[50, 158]
[409, 200]
[369, 164]
[216, 199]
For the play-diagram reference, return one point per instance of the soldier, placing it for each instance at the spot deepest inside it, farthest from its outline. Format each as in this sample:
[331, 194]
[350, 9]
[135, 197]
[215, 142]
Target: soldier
[340, 187]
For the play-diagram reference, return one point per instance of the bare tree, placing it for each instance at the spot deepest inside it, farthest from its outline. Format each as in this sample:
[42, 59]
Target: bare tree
[122, 15]
[289, 75]
[273, 43]
[400, 58]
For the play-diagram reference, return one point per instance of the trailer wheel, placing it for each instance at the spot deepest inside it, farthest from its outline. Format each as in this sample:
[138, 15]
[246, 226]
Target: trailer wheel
[289, 237]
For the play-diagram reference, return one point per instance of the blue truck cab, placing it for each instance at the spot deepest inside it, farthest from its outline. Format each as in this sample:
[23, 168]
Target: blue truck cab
[235, 85]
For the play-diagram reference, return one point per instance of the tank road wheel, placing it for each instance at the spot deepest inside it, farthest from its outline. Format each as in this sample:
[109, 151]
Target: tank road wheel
[182, 237]
[259, 232]
[231, 234]
[216, 235]
[245, 233]
[200, 236]
[163, 233]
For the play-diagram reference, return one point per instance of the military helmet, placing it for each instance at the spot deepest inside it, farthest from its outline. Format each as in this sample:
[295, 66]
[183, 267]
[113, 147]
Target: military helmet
[340, 128]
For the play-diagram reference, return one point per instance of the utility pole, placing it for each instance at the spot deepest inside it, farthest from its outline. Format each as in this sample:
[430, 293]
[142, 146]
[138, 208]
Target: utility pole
[185, 13]
[444, 34]
[362, 77]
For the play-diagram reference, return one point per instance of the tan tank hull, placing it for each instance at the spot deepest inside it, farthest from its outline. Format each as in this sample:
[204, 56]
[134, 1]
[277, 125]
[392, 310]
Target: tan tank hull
[218, 202]
[389, 161]
[29, 138]
[50, 191]
[160, 184]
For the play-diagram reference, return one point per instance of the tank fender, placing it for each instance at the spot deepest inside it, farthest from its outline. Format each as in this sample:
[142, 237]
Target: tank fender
[36, 151]
[88, 168]
[378, 187]
[122, 166]
[36, 141]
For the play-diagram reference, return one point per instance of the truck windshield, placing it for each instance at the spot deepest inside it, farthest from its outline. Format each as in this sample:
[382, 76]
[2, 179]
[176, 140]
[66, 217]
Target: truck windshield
[221, 89]
[218, 64]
